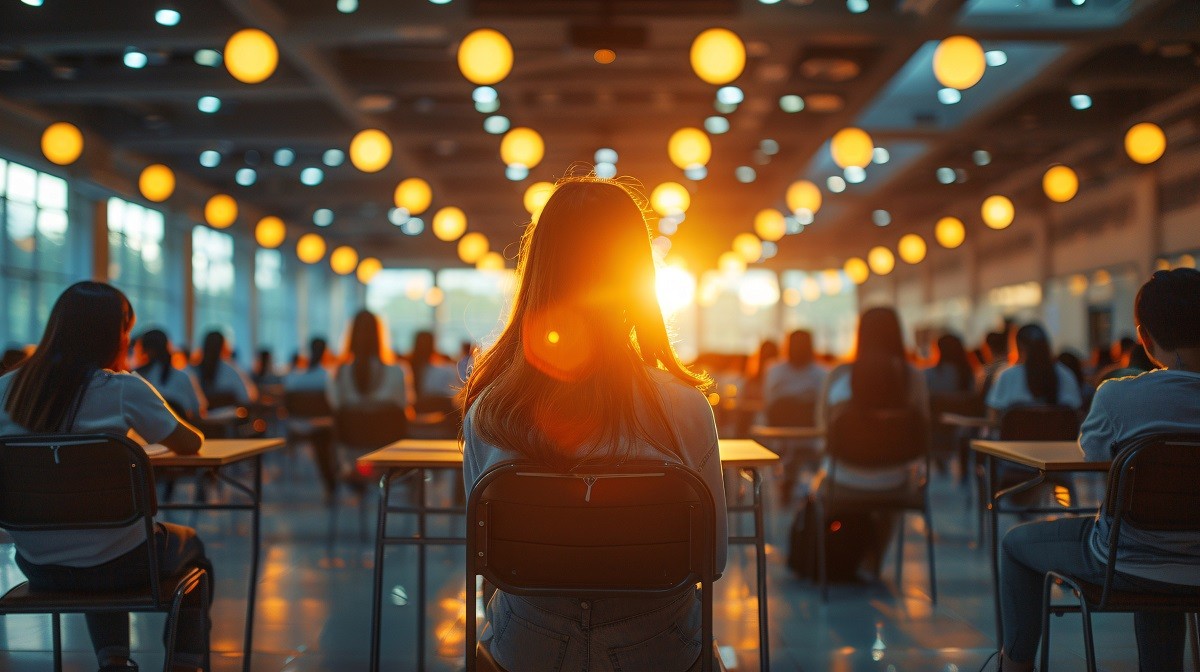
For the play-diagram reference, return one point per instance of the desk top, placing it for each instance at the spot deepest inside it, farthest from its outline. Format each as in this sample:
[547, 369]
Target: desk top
[218, 453]
[445, 453]
[1041, 455]
[771, 432]
[958, 420]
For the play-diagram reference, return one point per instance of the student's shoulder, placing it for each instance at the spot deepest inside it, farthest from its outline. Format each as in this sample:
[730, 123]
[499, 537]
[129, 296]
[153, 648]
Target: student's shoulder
[676, 390]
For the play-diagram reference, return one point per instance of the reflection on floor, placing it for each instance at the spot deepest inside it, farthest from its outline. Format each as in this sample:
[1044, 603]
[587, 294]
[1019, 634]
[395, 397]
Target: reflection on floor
[314, 598]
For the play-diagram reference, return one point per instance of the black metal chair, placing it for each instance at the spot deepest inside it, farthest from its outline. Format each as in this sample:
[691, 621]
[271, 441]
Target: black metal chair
[1152, 488]
[360, 431]
[877, 439]
[83, 482]
[1036, 423]
[796, 411]
[637, 530]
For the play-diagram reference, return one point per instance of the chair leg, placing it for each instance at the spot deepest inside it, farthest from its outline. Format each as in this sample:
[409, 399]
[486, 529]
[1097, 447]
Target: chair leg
[1047, 589]
[56, 628]
[1088, 645]
[1193, 622]
[821, 531]
[929, 554]
[900, 554]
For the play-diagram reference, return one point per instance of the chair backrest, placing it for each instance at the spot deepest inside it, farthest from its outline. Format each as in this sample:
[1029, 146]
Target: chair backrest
[78, 482]
[1152, 484]
[370, 428]
[306, 404]
[962, 403]
[877, 438]
[221, 399]
[643, 528]
[1039, 423]
[793, 411]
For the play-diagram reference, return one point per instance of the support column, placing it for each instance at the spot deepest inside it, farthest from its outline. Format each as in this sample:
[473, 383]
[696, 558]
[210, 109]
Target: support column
[100, 241]
[189, 291]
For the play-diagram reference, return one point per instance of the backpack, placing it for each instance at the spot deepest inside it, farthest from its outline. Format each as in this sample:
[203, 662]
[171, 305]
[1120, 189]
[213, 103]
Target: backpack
[849, 536]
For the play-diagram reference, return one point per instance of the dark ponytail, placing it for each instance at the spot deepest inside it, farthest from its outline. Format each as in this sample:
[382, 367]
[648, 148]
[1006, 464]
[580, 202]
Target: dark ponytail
[158, 351]
[1041, 377]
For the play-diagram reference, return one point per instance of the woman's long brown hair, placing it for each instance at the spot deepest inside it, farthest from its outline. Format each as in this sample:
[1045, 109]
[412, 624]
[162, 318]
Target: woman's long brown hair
[563, 383]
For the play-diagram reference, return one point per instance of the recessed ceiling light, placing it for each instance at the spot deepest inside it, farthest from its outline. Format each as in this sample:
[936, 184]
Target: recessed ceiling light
[135, 59]
[769, 147]
[881, 217]
[209, 58]
[695, 173]
[881, 155]
[791, 103]
[284, 157]
[730, 95]
[745, 174]
[413, 226]
[605, 155]
[516, 172]
[347, 6]
[857, 6]
[210, 158]
[606, 170]
[398, 216]
[488, 107]
[323, 217]
[855, 174]
[484, 94]
[981, 157]
[33, 3]
[311, 176]
[440, 2]
[333, 157]
[836, 184]
[724, 108]
[245, 176]
[496, 124]
[716, 125]
[167, 17]
[208, 104]
[995, 58]
[1081, 101]
[949, 96]
[945, 175]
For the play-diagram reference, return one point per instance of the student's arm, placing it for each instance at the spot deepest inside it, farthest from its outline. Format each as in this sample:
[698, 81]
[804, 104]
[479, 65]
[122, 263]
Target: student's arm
[147, 413]
[1101, 429]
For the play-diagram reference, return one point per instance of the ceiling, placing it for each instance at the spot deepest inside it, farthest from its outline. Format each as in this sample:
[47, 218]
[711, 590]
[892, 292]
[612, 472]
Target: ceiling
[391, 65]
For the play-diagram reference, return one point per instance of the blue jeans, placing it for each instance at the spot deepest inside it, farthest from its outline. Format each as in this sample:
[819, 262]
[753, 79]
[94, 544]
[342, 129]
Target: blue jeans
[1030, 550]
[178, 548]
[610, 635]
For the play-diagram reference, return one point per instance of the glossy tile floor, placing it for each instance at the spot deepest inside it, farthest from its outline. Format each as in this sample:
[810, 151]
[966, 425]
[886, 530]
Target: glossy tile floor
[314, 598]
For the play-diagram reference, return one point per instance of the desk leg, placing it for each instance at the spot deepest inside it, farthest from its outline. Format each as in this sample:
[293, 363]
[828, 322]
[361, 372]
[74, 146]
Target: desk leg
[994, 537]
[421, 532]
[760, 561]
[255, 543]
[377, 595]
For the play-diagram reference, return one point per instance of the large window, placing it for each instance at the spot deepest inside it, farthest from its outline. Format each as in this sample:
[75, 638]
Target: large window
[276, 307]
[739, 311]
[213, 281]
[33, 250]
[824, 303]
[474, 307]
[136, 262]
[401, 297]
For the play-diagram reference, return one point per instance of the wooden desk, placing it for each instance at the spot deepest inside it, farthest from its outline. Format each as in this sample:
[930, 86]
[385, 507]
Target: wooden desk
[418, 455]
[1043, 456]
[770, 433]
[968, 421]
[214, 455]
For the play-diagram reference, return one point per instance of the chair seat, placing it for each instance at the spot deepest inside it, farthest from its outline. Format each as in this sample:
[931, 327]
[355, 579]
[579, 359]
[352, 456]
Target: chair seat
[1122, 601]
[23, 598]
[908, 497]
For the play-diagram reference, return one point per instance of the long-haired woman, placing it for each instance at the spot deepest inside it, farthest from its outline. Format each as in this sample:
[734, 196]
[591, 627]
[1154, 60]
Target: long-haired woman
[951, 371]
[583, 373]
[180, 388]
[221, 380]
[77, 381]
[1035, 377]
[370, 376]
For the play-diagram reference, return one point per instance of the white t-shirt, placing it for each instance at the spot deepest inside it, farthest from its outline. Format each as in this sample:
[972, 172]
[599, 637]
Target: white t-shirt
[180, 389]
[114, 403]
[784, 380]
[229, 380]
[1156, 402]
[392, 385]
[440, 380]
[1010, 389]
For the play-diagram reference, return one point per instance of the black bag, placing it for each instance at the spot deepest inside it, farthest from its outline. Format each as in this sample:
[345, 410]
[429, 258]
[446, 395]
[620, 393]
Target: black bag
[849, 536]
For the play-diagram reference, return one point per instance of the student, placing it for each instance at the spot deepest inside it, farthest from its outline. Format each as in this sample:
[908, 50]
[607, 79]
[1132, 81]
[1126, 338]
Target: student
[77, 382]
[178, 388]
[264, 373]
[370, 377]
[951, 372]
[798, 376]
[311, 378]
[1167, 400]
[1035, 378]
[584, 373]
[223, 382]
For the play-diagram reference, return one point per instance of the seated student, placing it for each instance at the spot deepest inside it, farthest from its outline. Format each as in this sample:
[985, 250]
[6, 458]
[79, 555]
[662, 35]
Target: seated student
[77, 382]
[370, 378]
[435, 378]
[179, 388]
[610, 388]
[951, 372]
[221, 379]
[1035, 378]
[798, 376]
[1167, 400]
[264, 372]
[313, 377]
